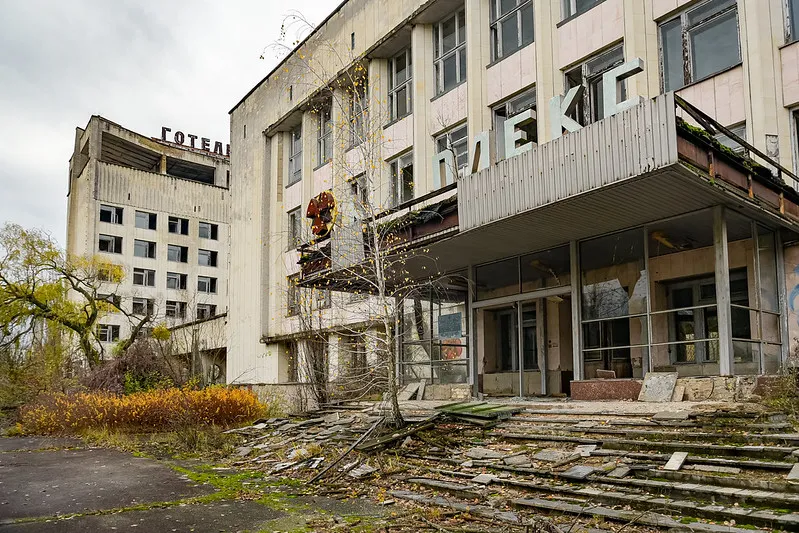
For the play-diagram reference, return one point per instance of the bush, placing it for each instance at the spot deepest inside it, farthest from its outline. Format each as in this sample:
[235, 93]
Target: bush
[154, 410]
[139, 369]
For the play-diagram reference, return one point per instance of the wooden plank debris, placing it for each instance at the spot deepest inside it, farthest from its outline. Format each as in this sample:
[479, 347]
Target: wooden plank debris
[420, 392]
[408, 392]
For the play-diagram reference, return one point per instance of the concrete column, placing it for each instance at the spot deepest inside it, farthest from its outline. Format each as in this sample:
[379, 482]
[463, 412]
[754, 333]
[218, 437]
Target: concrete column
[577, 337]
[162, 164]
[723, 291]
[471, 325]
[478, 55]
[379, 114]
[423, 89]
[549, 77]
[641, 40]
[541, 341]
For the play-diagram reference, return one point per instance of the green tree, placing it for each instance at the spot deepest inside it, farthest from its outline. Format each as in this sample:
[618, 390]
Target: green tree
[40, 286]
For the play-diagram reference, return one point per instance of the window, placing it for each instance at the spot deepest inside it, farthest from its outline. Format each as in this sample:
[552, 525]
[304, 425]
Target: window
[572, 8]
[144, 277]
[449, 45]
[323, 299]
[793, 20]
[399, 85]
[177, 254]
[143, 306]
[456, 141]
[740, 131]
[113, 299]
[206, 258]
[292, 297]
[205, 311]
[179, 225]
[295, 155]
[697, 317]
[325, 135]
[294, 228]
[293, 360]
[105, 272]
[144, 249]
[145, 220]
[110, 244]
[175, 309]
[699, 43]
[110, 214]
[360, 193]
[175, 280]
[512, 107]
[209, 231]
[108, 333]
[589, 74]
[359, 106]
[511, 26]
[402, 179]
[206, 284]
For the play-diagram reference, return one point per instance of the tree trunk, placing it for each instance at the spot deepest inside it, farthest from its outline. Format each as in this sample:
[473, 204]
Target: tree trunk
[89, 351]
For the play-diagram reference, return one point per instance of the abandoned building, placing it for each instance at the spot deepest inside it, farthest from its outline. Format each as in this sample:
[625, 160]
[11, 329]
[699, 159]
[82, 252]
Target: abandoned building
[606, 185]
[161, 211]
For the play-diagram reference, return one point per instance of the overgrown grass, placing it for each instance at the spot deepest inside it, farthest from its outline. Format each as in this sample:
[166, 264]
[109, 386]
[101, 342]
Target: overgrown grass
[180, 410]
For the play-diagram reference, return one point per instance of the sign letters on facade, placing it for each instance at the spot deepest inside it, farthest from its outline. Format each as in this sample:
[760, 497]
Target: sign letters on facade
[482, 150]
[205, 143]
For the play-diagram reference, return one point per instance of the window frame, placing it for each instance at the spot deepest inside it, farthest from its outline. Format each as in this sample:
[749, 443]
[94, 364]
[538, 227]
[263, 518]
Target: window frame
[150, 252]
[108, 332]
[212, 255]
[295, 156]
[182, 227]
[209, 311]
[791, 21]
[213, 230]
[175, 309]
[148, 303]
[511, 107]
[294, 228]
[115, 214]
[324, 134]
[440, 56]
[462, 144]
[394, 87]
[182, 281]
[396, 187]
[292, 297]
[182, 257]
[358, 111]
[570, 8]
[211, 284]
[687, 48]
[147, 274]
[590, 72]
[151, 222]
[496, 27]
[116, 243]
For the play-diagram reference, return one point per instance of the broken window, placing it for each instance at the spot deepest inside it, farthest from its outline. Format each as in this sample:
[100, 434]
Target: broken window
[402, 179]
[449, 45]
[206, 258]
[205, 311]
[143, 306]
[360, 193]
[144, 249]
[108, 333]
[699, 43]
[591, 108]
[206, 284]
[740, 131]
[325, 135]
[295, 155]
[456, 141]
[144, 277]
[511, 108]
[177, 254]
[178, 225]
[175, 309]
[572, 8]
[399, 85]
[110, 243]
[145, 220]
[292, 297]
[209, 231]
[511, 26]
[294, 228]
[110, 214]
[175, 280]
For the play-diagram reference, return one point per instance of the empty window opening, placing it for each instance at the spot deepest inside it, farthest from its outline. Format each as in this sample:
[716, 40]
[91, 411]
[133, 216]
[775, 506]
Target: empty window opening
[111, 214]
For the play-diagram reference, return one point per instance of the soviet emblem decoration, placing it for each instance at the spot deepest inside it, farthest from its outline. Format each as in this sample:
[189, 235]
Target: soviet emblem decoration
[322, 210]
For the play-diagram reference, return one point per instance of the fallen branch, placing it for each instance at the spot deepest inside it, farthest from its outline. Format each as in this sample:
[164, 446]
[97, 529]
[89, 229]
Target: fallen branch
[352, 447]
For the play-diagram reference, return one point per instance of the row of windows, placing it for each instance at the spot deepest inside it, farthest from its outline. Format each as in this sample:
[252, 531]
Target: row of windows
[145, 306]
[146, 249]
[146, 220]
[145, 277]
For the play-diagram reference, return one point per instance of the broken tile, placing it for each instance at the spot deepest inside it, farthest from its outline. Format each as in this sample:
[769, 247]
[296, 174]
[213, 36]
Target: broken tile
[607, 467]
[484, 479]
[619, 472]
[483, 453]
[579, 472]
[671, 415]
[675, 461]
[585, 449]
[361, 471]
[315, 462]
[658, 387]
[279, 467]
[244, 451]
[467, 464]
[679, 393]
[714, 468]
[552, 456]
[793, 475]
[518, 460]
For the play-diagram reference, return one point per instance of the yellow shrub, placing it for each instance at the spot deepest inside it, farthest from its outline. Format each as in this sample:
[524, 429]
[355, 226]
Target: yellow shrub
[156, 409]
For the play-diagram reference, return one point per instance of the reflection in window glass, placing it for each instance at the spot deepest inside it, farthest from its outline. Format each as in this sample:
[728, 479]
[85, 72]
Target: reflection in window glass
[497, 279]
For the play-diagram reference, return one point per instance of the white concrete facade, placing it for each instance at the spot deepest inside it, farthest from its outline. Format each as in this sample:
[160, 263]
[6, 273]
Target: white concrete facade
[180, 190]
[757, 93]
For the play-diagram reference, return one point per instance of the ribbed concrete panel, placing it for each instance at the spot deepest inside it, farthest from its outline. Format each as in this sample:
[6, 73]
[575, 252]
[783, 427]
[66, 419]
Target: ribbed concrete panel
[158, 192]
[632, 143]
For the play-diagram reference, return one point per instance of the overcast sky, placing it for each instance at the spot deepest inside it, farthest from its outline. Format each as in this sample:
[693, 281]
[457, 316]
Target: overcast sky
[140, 63]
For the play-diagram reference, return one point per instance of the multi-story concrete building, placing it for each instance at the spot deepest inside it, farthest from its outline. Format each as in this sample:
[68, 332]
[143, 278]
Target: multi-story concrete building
[599, 231]
[159, 209]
